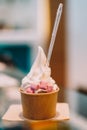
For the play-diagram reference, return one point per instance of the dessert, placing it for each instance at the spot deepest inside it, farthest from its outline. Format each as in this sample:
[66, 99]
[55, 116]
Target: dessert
[39, 90]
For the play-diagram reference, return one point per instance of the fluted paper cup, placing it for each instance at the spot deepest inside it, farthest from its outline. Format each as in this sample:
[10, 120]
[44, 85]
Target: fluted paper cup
[39, 106]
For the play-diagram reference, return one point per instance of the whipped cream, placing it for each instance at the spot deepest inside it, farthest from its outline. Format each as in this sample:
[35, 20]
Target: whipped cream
[40, 71]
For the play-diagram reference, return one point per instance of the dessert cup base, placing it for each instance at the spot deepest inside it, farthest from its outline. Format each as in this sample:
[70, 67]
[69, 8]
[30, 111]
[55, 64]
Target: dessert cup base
[39, 106]
[14, 113]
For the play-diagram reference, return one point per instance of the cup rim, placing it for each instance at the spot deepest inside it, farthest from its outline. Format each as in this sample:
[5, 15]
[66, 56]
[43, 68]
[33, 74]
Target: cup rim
[38, 94]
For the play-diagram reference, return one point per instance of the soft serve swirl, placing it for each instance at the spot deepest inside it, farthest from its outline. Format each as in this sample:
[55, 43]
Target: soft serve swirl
[40, 71]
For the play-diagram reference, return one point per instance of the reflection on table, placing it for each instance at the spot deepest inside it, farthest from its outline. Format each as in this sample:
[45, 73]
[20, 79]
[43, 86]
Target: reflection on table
[49, 125]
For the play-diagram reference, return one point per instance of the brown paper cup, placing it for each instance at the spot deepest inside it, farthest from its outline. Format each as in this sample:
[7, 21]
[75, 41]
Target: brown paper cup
[39, 106]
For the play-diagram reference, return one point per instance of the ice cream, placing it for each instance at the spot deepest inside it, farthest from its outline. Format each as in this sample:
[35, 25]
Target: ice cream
[39, 78]
[39, 91]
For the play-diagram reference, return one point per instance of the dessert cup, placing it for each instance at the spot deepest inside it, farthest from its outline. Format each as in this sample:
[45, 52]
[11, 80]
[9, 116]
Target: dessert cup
[39, 106]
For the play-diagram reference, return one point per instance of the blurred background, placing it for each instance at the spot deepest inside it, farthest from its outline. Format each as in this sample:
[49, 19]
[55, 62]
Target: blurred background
[25, 24]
